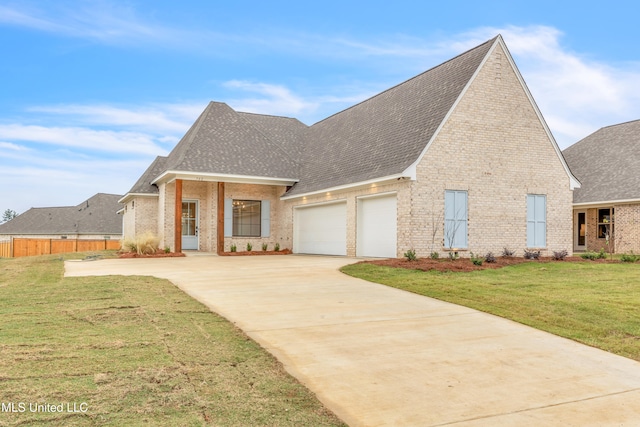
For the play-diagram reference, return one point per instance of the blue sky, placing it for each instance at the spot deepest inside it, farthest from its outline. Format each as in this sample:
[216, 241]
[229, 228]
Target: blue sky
[93, 90]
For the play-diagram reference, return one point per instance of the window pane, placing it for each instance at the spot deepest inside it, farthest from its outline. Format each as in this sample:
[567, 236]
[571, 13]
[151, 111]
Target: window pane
[455, 223]
[246, 218]
[536, 221]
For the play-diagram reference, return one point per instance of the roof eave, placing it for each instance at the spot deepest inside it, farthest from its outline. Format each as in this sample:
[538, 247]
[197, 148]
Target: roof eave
[172, 175]
[130, 196]
[606, 202]
[352, 186]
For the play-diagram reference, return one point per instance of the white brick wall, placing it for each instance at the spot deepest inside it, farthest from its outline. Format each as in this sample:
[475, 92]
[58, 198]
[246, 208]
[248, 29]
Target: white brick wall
[494, 147]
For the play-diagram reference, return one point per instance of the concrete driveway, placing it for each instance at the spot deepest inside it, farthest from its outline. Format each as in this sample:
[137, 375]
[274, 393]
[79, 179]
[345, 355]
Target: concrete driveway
[378, 356]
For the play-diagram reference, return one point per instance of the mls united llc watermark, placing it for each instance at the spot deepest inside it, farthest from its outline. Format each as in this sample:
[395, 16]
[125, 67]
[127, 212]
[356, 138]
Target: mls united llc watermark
[20, 407]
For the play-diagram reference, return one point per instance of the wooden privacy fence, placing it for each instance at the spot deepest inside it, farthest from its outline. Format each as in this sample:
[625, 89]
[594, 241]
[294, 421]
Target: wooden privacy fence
[5, 248]
[19, 247]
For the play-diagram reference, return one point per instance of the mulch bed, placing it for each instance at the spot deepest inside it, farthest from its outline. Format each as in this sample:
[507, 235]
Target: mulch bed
[465, 264]
[249, 253]
[158, 254]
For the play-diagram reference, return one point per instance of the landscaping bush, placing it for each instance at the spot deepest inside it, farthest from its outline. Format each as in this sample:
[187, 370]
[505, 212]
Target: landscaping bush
[489, 257]
[560, 255]
[234, 247]
[507, 253]
[594, 255]
[276, 247]
[476, 260]
[142, 244]
[249, 247]
[410, 255]
[434, 255]
[531, 254]
[629, 257]
[265, 246]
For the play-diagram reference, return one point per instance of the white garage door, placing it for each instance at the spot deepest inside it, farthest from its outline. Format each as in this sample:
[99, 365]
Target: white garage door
[320, 229]
[377, 226]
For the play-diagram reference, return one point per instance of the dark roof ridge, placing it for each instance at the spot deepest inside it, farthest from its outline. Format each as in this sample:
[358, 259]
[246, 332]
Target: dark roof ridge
[409, 79]
[619, 124]
[265, 115]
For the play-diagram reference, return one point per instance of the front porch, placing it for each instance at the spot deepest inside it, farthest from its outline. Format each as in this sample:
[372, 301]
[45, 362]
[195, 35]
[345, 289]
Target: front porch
[211, 216]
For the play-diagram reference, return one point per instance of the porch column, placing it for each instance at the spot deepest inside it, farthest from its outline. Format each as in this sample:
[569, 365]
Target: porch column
[220, 226]
[177, 225]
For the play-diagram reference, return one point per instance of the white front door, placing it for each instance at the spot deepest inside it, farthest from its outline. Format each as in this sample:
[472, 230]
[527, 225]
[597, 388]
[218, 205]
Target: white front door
[190, 224]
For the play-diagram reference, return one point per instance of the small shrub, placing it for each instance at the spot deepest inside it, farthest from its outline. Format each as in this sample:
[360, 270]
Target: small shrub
[602, 254]
[589, 255]
[629, 257]
[410, 255]
[560, 255]
[142, 244]
[276, 247]
[489, 257]
[129, 246]
[249, 247]
[507, 253]
[434, 255]
[531, 254]
[265, 246]
[234, 247]
[453, 255]
[476, 260]
[167, 249]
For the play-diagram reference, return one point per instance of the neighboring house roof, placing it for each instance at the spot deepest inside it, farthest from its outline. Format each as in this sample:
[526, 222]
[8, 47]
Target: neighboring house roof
[607, 164]
[96, 215]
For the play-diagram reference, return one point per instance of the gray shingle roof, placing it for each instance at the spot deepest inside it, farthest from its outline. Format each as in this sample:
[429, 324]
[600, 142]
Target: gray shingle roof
[97, 215]
[384, 135]
[379, 137]
[607, 164]
[288, 132]
[226, 142]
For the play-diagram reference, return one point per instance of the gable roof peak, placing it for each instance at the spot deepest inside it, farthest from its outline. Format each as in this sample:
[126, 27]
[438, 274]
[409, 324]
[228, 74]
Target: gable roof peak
[418, 76]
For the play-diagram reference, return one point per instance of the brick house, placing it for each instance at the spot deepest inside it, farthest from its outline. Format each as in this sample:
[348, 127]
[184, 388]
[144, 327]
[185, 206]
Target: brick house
[606, 209]
[95, 218]
[458, 158]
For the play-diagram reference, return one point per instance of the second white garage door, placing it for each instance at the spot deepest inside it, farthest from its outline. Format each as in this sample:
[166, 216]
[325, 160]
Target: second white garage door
[377, 226]
[320, 229]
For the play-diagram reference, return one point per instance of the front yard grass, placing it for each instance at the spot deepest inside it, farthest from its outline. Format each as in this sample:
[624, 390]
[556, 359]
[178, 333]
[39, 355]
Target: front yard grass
[596, 304]
[129, 351]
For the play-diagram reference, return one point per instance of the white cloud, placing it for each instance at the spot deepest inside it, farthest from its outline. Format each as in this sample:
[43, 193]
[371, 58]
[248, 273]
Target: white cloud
[102, 21]
[11, 146]
[274, 99]
[155, 119]
[82, 138]
[576, 94]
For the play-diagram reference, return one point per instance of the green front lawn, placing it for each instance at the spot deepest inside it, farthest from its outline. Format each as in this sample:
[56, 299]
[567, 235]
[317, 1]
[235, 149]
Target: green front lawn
[596, 304]
[129, 351]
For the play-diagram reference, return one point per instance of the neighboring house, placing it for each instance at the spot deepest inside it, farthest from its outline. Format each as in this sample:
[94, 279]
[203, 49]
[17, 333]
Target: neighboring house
[457, 158]
[95, 218]
[606, 210]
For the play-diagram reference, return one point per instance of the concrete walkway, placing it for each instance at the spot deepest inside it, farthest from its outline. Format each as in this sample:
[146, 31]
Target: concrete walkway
[378, 356]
